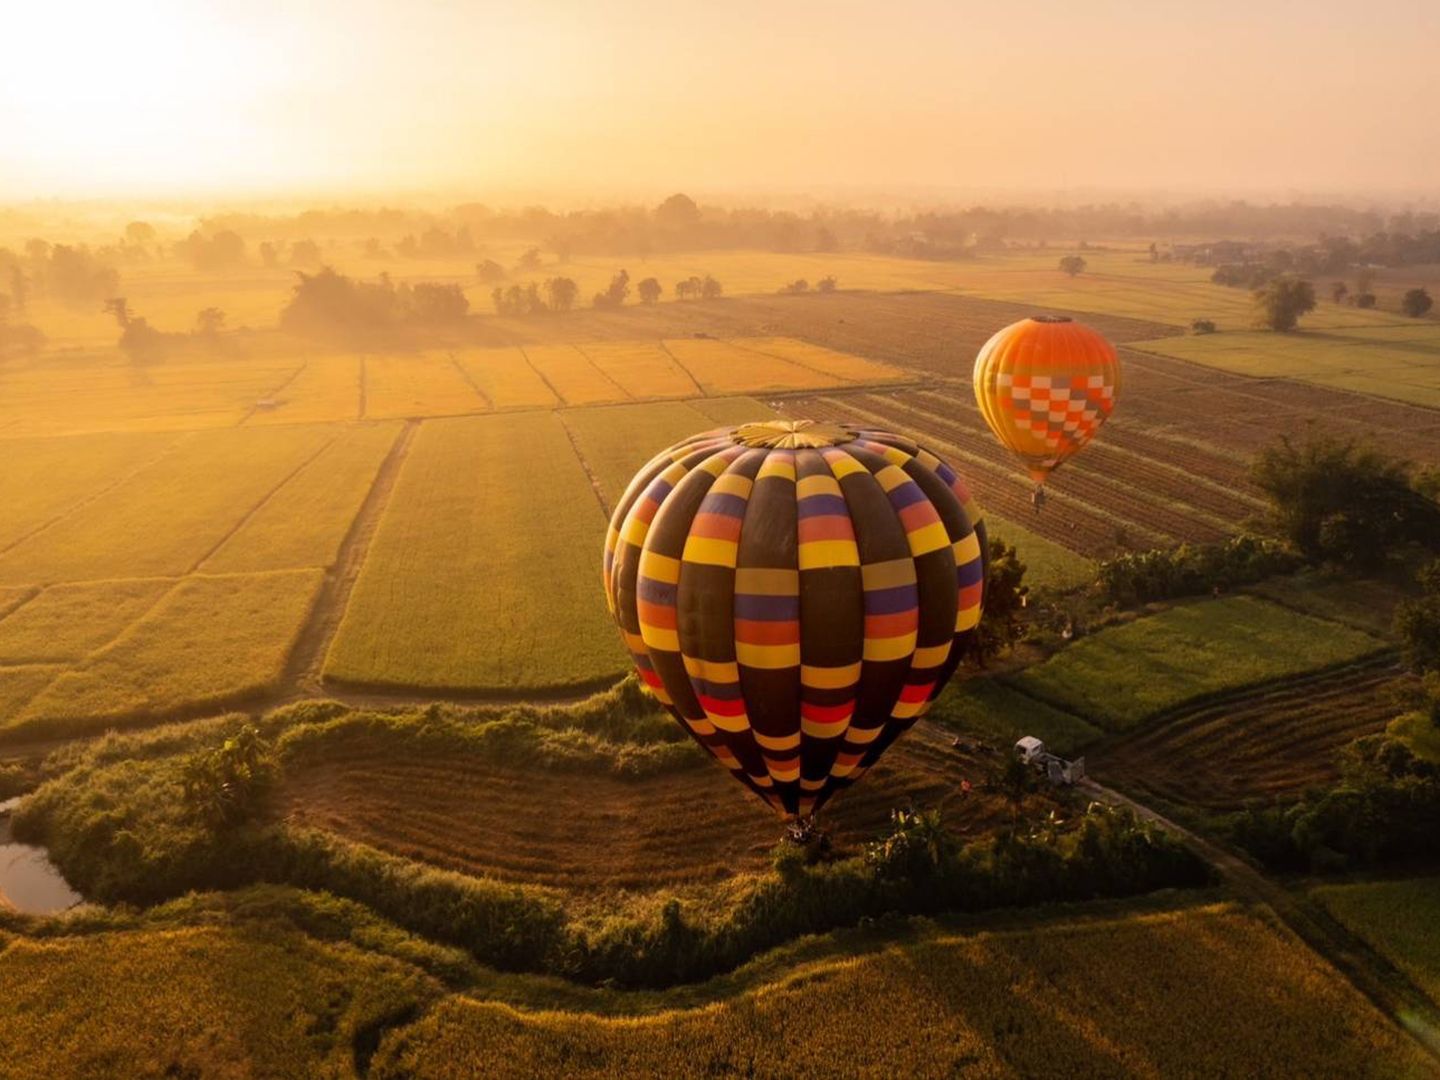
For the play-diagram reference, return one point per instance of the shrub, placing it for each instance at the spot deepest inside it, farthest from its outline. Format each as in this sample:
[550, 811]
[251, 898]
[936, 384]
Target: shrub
[1416, 302]
[1193, 569]
[1202, 326]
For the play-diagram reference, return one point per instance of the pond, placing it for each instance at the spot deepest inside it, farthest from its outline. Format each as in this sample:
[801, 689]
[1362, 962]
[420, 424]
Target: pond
[29, 881]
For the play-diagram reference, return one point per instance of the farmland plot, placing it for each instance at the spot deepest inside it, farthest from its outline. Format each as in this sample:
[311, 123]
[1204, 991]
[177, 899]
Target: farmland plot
[568, 371]
[326, 388]
[210, 641]
[722, 367]
[483, 578]
[1122, 675]
[1400, 919]
[303, 523]
[66, 622]
[1098, 996]
[41, 479]
[167, 517]
[505, 378]
[425, 384]
[643, 369]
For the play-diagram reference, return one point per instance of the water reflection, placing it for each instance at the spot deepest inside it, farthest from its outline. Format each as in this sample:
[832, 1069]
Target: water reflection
[29, 881]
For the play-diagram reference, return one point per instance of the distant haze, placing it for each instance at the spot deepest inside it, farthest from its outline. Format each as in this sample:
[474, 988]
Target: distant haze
[344, 97]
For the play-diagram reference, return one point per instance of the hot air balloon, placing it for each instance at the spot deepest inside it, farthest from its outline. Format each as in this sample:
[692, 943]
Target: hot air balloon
[1045, 385]
[796, 594]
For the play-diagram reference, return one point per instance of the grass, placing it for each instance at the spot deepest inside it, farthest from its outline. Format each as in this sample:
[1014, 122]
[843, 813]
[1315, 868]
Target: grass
[484, 572]
[1125, 674]
[1398, 359]
[1400, 920]
[1361, 603]
[999, 714]
[166, 518]
[21, 683]
[1046, 562]
[211, 640]
[424, 384]
[67, 622]
[304, 522]
[1099, 997]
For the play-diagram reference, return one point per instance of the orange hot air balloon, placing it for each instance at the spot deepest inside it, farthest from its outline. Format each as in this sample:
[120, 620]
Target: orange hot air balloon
[1045, 385]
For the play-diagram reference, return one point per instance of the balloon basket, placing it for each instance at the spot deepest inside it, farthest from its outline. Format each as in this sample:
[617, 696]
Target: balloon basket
[806, 833]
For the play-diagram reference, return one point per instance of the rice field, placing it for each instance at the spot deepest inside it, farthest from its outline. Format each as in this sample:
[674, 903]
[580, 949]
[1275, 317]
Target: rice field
[483, 578]
[724, 367]
[1399, 919]
[643, 369]
[425, 384]
[568, 371]
[65, 623]
[1095, 999]
[1123, 675]
[325, 388]
[209, 642]
[166, 518]
[303, 522]
[505, 378]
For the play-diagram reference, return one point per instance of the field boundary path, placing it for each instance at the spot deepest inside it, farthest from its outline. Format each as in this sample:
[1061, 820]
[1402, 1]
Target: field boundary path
[1388, 988]
[307, 658]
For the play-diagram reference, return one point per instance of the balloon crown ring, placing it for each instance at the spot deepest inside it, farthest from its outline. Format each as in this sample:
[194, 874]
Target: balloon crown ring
[791, 434]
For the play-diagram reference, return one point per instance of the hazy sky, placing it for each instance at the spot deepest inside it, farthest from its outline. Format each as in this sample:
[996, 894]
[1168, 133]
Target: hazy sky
[360, 96]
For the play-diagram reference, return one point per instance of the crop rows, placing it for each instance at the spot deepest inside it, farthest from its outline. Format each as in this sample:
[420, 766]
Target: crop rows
[587, 830]
[1271, 743]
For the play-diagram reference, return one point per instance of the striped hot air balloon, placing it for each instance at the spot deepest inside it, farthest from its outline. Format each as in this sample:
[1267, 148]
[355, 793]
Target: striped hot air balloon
[1045, 385]
[796, 594]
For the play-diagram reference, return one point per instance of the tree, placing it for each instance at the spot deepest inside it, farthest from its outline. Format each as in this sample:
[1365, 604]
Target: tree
[710, 289]
[1005, 593]
[688, 289]
[1365, 300]
[1417, 622]
[436, 302]
[489, 271]
[649, 290]
[677, 212]
[796, 287]
[614, 295]
[119, 307]
[1073, 264]
[1279, 305]
[1338, 291]
[1335, 500]
[209, 321]
[1202, 326]
[269, 256]
[530, 260]
[139, 233]
[561, 293]
[1416, 303]
[826, 284]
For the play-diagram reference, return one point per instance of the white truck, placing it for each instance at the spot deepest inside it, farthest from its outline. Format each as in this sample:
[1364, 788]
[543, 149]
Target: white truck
[1057, 770]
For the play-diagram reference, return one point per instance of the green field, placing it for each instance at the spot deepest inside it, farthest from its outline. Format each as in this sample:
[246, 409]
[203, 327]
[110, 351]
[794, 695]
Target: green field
[1398, 359]
[484, 572]
[1400, 919]
[989, 709]
[1120, 676]
[1046, 562]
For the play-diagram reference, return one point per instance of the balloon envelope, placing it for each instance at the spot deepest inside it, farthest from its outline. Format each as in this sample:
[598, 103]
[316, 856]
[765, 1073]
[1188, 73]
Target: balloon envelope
[796, 594]
[1045, 385]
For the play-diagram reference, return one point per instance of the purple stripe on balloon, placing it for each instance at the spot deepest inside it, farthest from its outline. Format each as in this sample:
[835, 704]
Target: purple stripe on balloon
[906, 494]
[891, 601]
[823, 505]
[722, 503]
[767, 608]
[656, 592]
[970, 573]
[723, 691]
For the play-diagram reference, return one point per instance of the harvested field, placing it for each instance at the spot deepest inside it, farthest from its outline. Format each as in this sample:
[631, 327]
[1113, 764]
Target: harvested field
[588, 830]
[1268, 743]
